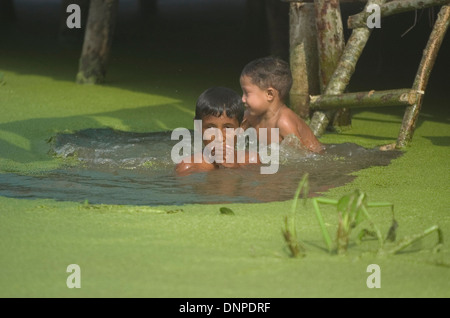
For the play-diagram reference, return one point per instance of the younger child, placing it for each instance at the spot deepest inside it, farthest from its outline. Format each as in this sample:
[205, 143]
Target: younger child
[265, 84]
[218, 108]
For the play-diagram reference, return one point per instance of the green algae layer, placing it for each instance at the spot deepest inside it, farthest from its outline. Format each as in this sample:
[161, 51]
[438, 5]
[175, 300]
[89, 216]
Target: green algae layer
[132, 251]
[195, 250]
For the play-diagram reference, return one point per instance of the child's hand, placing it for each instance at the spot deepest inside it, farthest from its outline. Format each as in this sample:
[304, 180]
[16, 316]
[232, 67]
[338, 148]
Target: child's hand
[229, 157]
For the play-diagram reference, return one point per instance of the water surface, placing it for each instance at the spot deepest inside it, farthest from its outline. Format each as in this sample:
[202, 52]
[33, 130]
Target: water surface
[105, 166]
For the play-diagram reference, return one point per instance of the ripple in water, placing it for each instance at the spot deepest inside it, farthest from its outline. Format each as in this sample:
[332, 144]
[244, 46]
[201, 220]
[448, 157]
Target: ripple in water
[116, 167]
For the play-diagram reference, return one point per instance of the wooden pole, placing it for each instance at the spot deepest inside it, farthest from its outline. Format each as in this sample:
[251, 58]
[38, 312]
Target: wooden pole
[97, 41]
[395, 97]
[344, 70]
[330, 43]
[303, 57]
[423, 74]
[330, 38]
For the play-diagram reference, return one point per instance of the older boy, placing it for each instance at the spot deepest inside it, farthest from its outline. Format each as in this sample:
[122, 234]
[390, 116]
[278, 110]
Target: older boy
[219, 108]
[265, 85]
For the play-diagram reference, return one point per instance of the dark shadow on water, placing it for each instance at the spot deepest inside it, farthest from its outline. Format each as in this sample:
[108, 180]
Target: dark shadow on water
[443, 141]
[127, 117]
[381, 138]
[317, 246]
[399, 121]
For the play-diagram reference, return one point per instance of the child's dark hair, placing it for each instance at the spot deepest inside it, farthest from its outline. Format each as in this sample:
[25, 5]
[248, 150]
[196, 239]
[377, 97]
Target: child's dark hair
[216, 100]
[270, 72]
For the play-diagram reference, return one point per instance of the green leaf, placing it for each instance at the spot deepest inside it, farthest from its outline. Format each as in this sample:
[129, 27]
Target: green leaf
[227, 211]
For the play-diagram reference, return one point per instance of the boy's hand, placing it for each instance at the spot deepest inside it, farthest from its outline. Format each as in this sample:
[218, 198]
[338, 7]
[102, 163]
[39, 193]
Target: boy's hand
[229, 157]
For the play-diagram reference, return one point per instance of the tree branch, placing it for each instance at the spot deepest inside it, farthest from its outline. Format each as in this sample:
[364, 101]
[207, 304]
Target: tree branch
[343, 72]
[423, 74]
[398, 6]
[395, 97]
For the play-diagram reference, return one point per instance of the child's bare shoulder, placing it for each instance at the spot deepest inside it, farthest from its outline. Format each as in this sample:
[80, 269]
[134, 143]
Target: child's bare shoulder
[289, 120]
[188, 166]
[290, 123]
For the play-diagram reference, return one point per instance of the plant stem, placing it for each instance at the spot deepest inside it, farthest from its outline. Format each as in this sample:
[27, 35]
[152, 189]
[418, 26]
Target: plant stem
[325, 234]
[414, 238]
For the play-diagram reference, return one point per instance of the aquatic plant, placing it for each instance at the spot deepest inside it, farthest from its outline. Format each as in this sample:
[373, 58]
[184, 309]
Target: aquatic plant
[352, 211]
[289, 232]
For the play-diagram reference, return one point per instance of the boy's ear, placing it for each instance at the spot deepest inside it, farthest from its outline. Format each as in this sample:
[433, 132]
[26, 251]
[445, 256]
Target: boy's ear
[270, 93]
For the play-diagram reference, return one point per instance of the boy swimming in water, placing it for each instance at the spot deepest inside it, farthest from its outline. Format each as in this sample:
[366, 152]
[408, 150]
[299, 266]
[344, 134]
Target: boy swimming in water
[265, 85]
[221, 112]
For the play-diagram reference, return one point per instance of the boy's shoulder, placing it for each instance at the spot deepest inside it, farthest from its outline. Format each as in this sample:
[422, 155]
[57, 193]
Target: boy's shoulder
[290, 123]
[288, 119]
[188, 166]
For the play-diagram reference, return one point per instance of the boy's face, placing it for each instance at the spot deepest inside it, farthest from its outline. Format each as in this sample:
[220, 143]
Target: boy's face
[221, 123]
[254, 98]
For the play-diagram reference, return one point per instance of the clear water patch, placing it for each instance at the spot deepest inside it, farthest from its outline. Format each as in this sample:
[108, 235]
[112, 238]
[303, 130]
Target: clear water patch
[106, 166]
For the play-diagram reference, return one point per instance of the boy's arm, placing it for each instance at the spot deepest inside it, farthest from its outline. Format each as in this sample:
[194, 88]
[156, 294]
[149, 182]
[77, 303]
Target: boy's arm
[184, 168]
[289, 125]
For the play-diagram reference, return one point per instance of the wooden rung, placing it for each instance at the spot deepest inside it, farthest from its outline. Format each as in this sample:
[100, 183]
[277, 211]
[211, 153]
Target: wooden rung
[395, 97]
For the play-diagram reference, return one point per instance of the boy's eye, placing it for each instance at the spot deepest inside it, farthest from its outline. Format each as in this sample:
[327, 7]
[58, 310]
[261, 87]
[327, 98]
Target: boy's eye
[213, 128]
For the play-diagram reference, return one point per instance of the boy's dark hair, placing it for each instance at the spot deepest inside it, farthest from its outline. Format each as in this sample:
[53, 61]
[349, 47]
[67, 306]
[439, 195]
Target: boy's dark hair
[214, 101]
[270, 72]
